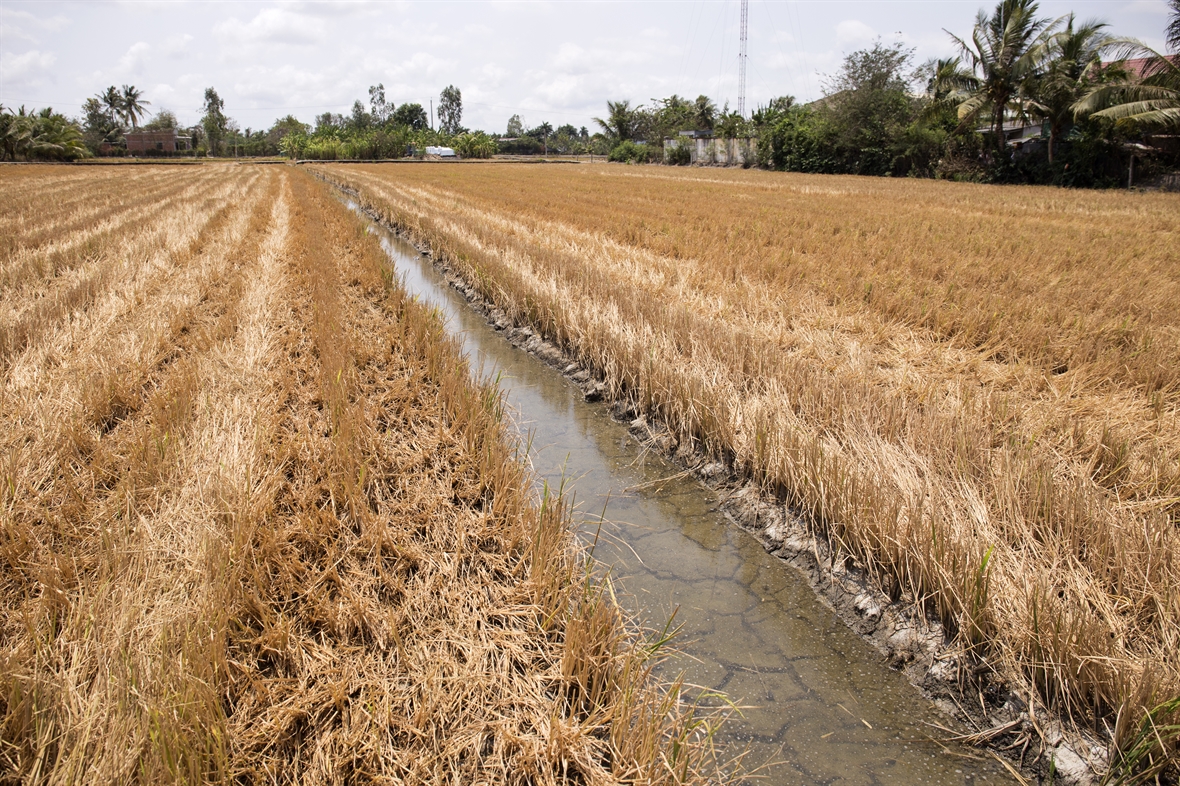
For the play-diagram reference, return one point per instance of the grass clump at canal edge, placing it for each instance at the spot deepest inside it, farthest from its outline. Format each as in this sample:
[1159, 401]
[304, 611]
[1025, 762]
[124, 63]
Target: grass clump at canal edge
[258, 524]
[973, 391]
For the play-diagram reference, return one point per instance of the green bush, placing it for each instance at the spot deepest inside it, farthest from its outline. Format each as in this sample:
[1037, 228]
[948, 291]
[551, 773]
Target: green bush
[477, 145]
[678, 155]
[629, 152]
[522, 146]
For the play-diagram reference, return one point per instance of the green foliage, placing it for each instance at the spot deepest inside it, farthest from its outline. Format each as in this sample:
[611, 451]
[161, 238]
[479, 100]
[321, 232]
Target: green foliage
[1150, 103]
[628, 152]
[772, 112]
[214, 122]
[133, 104]
[620, 122]
[165, 120]
[704, 114]
[1072, 67]
[1172, 33]
[1147, 753]
[869, 109]
[678, 154]
[521, 146]
[731, 125]
[475, 145]
[450, 110]
[379, 110]
[802, 140]
[44, 135]
[412, 116]
[1002, 56]
[100, 130]
[371, 144]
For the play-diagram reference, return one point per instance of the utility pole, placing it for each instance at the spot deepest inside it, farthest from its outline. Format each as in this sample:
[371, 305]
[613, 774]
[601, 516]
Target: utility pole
[742, 60]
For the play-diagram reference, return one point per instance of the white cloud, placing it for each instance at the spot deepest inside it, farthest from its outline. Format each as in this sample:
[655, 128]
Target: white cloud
[176, 45]
[18, 23]
[853, 31]
[573, 59]
[492, 76]
[1150, 6]
[31, 68]
[272, 26]
[134, 58]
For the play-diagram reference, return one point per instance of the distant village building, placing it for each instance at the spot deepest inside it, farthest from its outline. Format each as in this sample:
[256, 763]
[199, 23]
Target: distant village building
[167, 141]
[441, 152]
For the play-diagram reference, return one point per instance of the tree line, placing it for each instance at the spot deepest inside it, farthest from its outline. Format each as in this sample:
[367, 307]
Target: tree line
[379, 129]
[1027, 99]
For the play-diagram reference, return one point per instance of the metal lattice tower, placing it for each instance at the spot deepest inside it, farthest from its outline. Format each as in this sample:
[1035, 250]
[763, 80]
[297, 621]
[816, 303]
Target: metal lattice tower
[742, 60]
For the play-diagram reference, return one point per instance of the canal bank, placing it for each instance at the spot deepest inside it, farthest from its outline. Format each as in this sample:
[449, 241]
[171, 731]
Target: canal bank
[813, 694]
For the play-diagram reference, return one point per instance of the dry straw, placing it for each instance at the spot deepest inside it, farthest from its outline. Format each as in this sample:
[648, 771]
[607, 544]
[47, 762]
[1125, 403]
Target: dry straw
[973, 390]
[258, 525]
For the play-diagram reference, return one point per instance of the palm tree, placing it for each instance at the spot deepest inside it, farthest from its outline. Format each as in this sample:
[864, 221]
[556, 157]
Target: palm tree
[55, 136]
[133, 104]
[620, 120]
[704, 113]
[948, 78]
[1071, 67]
[112, 99]
[1002, 55]
[1154, 100]
[15, 132]
[1172, 33]
[44, 134]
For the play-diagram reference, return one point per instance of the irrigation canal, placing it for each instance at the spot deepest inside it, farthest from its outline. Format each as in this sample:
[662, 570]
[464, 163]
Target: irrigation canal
[814, 696]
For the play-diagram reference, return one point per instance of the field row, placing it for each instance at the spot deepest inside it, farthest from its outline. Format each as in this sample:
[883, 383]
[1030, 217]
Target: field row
[974, 391]
[258, 525]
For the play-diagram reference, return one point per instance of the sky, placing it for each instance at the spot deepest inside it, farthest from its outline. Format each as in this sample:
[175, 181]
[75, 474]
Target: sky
[546, 60]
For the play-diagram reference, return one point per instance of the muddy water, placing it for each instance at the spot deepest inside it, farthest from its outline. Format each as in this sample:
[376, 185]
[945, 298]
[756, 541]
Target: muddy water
[814, 696]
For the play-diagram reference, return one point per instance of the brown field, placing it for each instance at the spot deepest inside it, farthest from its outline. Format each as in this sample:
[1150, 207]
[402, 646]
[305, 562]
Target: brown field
[973, 390]
[258, 525]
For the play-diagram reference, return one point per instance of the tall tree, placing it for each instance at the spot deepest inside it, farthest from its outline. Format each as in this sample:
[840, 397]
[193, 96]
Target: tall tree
[1172, 32]
[411, 116]
[704, 113]
[515, 127]
[359, 120]
[620, 121]
[1152, 100]
[112, 99]
[1002, 54]
[868, 105]
[1071, 66]
[214, 122]
[39, 135]
[99, 127]
[380, 110]
[541, 132]
[164, 120]
[450, 110]
[133, 104]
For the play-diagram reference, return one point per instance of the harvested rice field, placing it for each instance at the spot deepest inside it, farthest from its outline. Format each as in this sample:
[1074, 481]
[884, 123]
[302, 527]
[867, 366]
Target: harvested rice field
[259, 525]
[972, 392]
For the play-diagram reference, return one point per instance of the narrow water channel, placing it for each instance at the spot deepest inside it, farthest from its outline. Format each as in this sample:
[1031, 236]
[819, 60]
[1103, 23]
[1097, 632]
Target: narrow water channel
[814, 696]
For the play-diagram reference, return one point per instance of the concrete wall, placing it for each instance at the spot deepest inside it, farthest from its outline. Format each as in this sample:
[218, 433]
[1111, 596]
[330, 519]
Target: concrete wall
[715, 151]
